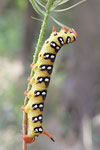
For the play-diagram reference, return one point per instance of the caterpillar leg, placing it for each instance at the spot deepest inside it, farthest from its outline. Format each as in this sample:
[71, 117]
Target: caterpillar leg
[47, 134]
[28, 139]
[28, 79]
[23, 107]
[25, 93]
[33, 66]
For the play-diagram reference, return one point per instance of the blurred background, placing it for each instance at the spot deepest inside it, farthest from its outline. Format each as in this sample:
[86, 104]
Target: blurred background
[72, 107]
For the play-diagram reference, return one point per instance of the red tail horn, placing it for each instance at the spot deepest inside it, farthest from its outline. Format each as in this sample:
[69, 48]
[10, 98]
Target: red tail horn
[47, 134]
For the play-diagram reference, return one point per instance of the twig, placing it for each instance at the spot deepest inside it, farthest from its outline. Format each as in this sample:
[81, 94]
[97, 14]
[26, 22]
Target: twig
[25, 131]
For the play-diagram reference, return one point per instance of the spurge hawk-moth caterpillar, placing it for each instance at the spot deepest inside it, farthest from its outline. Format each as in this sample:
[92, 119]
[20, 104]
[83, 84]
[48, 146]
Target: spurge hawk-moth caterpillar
[41, 79]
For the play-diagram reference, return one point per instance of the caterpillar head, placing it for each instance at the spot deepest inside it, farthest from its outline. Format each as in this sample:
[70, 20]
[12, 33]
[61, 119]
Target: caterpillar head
[69, 34]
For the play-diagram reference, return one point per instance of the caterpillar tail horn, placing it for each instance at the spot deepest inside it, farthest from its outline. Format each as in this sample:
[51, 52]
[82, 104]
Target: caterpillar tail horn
[47, 134]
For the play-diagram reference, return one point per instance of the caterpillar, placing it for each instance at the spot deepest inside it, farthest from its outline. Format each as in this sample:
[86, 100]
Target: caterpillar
[41, 79]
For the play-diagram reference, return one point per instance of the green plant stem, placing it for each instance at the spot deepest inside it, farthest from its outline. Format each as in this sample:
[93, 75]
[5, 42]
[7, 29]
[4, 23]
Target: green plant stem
[49, 4]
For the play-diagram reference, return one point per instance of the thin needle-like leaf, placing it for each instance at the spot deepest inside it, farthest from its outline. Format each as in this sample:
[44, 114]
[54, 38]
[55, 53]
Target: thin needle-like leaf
[36, 19]
[36, 7]
[64, 1]
[57, 2]
[61, 10]
[40, 3]
[59, 23]
[43, 2]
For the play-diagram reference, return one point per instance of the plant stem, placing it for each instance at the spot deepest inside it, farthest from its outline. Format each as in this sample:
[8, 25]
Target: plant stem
[24, 130]
[49, 4]
[42, 30]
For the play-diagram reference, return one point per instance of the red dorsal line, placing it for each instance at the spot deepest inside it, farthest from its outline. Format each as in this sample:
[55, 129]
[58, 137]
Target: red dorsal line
[54, 29]
[47, 134]
[64, 28]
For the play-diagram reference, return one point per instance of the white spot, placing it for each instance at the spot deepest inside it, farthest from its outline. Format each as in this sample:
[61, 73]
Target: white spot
[62, 42]
[40, 117]
[57, 48]
[40, 79]
[49, 68]
[40, 129]
[46, 79]
[52, 56]
[47, 55]
[53, 44]
[68, 41]
[35, 106]
[41, 105]
[36, 130]
[43, 93]
[38, 93]
[43, 67]
[35, 119]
